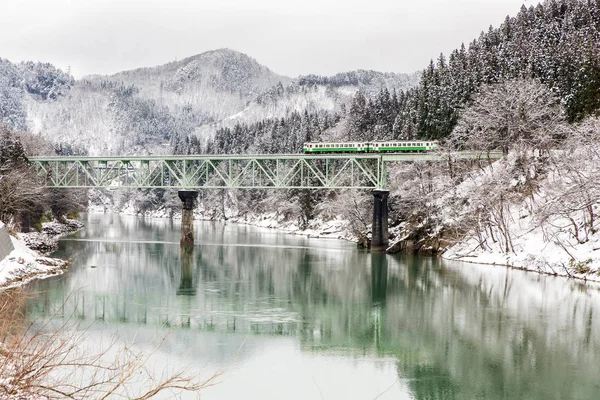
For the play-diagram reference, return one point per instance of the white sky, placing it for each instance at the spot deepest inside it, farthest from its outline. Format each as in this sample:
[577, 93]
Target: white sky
[291, 37]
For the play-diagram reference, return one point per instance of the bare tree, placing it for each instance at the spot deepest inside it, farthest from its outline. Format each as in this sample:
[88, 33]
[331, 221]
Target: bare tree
[574, 194]
[20, 193]
[521, 114]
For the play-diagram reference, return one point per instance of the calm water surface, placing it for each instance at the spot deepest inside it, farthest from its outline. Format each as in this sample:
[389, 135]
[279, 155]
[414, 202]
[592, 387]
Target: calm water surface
[288, 317]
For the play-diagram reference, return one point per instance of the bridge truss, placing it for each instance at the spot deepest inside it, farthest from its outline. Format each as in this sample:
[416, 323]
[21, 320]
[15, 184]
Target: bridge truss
[294, 171]
[214, 172]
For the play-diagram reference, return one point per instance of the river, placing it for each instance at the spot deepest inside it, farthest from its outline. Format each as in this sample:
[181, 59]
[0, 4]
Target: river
[291, 317]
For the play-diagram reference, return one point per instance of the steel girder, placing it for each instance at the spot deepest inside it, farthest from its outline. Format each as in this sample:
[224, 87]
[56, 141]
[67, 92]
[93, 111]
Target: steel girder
[292, 171]
[214, 172]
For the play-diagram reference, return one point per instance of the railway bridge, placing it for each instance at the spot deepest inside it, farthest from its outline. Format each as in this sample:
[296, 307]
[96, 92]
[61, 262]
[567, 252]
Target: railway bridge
[191, 173]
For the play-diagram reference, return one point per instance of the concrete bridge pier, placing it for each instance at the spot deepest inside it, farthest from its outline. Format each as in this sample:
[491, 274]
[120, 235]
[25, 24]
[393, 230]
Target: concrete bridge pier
[188, 199]
[379, 229]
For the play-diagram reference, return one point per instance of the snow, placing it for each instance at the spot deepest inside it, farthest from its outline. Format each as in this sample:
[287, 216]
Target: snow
[533, 252]
[24, 264]
[542, 241]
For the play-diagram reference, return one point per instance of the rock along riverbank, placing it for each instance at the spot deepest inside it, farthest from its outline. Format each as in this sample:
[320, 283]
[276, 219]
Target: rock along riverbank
[30, 258]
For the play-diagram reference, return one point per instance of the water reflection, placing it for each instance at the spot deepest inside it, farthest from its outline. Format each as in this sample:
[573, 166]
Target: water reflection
[379, 273]
[444, 330]
[186, 282]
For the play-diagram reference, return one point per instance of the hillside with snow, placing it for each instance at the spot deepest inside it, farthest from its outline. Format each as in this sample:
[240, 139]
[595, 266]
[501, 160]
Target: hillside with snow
[150, 110]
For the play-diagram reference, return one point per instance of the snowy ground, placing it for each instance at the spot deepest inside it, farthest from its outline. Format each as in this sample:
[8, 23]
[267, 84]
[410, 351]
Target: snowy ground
[24, 264]
[534, 252]
[549, 231]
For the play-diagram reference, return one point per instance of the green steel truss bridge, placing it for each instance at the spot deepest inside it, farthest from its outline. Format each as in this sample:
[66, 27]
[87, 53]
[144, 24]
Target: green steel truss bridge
[292, 171]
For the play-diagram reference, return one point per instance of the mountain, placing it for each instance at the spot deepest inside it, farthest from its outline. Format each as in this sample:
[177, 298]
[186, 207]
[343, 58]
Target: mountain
[320, 93]
[149, 110]
[217, 83]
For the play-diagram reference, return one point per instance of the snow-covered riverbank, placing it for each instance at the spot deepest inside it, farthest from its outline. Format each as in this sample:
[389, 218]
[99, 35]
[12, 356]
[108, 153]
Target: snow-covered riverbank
[549, 250]
[29, 258]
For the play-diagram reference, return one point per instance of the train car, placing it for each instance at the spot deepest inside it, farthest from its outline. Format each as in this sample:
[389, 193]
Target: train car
[337, 147]
[401, 146]
[387, 146]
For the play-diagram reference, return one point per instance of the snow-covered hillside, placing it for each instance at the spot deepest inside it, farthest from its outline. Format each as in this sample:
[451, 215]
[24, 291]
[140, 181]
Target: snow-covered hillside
[314, 93]
[152, 109]
[218, 83]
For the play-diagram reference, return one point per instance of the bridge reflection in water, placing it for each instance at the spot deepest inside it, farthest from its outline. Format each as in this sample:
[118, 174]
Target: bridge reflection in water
[452, 330]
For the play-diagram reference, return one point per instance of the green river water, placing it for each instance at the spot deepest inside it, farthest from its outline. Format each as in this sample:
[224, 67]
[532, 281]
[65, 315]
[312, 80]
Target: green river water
[291, 317]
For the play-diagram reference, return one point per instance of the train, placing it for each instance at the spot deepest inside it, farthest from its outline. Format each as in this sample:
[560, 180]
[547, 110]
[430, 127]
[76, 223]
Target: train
[386, 146]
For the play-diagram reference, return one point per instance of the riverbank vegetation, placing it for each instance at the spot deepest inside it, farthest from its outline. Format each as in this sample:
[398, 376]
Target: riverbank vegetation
[24, 202]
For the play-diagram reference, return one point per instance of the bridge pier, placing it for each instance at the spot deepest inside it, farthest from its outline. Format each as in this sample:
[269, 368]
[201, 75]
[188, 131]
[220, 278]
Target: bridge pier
[379, 229]
[188, 200]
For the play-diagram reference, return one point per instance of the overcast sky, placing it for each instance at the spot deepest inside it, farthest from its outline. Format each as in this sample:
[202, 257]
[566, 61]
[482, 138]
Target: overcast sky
[291, 37]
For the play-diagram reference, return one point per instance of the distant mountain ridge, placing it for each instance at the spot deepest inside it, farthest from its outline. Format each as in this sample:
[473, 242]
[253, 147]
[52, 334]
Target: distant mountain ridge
[144, 109]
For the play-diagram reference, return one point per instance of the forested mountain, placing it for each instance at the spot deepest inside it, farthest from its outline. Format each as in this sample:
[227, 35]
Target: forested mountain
[557, 42]
[175, 107]
[224, 101]
[40, 81]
